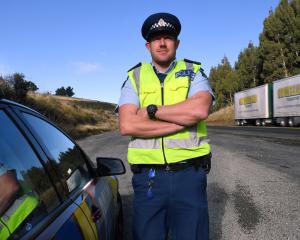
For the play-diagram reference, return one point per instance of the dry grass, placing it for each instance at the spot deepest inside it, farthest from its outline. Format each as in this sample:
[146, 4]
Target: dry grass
[224, 116]
[79, 118]
[72, 99]
[83, 117]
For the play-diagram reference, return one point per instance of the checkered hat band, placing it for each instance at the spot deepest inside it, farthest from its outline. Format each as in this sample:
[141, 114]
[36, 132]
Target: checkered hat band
[157, 25]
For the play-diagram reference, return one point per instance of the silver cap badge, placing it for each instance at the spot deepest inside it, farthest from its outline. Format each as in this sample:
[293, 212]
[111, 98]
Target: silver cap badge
[162, 23]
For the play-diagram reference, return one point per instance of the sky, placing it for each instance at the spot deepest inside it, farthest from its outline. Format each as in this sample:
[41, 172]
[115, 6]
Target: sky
[89, 45]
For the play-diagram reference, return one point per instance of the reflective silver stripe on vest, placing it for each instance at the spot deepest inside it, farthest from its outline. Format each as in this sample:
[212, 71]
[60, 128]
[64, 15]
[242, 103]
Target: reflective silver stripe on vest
[136, 77]
[185, 143]
[145, 143]
[190, 66]
[192, 142]
[16, 204]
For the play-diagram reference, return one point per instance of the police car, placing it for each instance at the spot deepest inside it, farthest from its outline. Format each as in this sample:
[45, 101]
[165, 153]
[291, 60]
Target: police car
[49, 187]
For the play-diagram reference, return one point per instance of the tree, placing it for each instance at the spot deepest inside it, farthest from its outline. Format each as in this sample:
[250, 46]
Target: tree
[31, 86]
[279, 42]
[231, 84]
[248, 67]
[17, 85]
[225, 82]
[69, 91]
[294, 40]
[62, 91]
[36, 176]
[2, 87]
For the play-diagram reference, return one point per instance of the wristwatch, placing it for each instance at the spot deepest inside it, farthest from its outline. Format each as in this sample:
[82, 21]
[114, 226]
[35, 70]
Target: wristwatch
[151, 110]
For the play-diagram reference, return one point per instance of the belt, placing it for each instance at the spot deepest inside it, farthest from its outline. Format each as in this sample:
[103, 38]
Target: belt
[203, 162]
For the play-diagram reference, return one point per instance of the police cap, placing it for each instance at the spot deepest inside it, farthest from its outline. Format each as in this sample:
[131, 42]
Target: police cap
[160, 23]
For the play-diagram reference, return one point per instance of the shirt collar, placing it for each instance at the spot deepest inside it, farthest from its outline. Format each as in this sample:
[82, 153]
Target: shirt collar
[170, 68]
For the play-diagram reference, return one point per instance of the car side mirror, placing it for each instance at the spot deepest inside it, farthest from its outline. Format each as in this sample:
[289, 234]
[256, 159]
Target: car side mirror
[109, 166]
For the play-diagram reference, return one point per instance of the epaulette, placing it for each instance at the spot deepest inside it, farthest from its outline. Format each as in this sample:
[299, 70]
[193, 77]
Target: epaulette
[136, 66]
[190, 61]
[202, 73]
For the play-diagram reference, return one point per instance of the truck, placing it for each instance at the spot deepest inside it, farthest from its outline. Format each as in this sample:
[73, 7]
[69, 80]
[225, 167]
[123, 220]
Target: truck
[286, 101]
[272, 103]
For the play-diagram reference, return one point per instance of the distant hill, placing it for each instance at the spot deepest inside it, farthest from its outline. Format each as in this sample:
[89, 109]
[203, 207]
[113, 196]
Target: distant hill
[224, 116]
[78, 117]
[84, 117]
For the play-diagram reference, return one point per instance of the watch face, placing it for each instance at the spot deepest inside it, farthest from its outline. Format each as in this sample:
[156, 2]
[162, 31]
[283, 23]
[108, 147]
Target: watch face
[151, 109]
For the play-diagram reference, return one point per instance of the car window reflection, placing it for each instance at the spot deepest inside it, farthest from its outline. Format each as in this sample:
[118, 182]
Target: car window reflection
[27, 194]
[65, 156]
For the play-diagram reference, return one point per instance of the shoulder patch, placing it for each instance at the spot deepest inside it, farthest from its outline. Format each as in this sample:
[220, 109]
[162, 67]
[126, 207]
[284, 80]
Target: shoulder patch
[190, 61]
[136, 66]
[186, 73]
[203, 73]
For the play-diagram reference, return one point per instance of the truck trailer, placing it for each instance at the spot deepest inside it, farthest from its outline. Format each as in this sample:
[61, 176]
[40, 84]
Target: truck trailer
[273, 103]
[286, 101]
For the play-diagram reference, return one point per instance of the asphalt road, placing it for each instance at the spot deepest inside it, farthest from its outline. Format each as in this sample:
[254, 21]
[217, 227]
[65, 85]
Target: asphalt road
[253, 187]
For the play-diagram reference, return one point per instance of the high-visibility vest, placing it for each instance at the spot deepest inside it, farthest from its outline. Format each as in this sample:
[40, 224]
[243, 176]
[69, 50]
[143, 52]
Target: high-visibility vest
[189, 143]
[16, 214]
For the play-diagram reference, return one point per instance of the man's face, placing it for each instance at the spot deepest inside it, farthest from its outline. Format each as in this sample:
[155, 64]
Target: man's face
[163, 48]
[9, 187]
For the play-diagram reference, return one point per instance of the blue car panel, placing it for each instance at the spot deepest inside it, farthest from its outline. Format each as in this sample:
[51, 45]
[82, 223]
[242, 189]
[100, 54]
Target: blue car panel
[69, 198]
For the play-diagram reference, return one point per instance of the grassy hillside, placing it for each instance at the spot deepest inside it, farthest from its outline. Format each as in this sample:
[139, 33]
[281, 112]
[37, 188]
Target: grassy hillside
[84, 117]
[78, 117]
[224, 116]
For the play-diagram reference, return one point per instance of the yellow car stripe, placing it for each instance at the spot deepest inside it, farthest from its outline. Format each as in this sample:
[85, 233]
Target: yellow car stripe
[88, 232]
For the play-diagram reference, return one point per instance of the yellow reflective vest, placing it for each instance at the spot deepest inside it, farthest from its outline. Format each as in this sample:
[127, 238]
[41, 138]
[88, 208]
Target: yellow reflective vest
[16, 214]
[189, 143]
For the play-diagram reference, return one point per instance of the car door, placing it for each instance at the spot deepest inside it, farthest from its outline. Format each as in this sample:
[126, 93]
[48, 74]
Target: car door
[92, 195]
[28, 196]
[39, 208]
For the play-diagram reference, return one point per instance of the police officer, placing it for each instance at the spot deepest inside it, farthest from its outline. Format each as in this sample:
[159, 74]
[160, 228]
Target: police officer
[9, 187]
[15, 205]
[163, 106]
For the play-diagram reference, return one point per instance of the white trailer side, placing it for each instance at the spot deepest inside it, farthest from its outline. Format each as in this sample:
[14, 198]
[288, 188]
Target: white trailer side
[286, 100]
[286, 97]
[252, 103]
